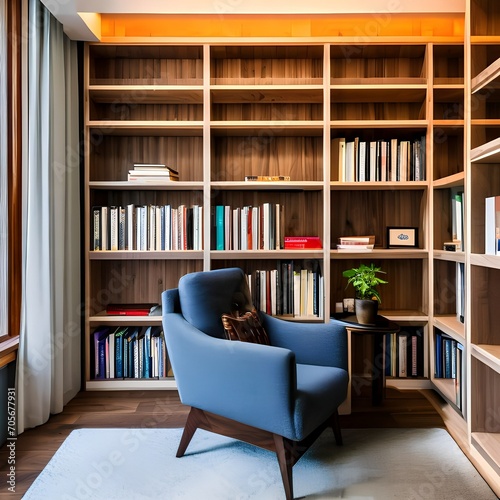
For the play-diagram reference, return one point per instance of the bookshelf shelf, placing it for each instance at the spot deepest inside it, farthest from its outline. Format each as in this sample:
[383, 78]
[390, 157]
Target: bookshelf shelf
[377, 186]
[449, 256]
[488, 355]
[132, 185]
[268, 185]
[450, 325]
[147, 128]
[266, 254]
[382, 253]
[147, 94]
[146, 255]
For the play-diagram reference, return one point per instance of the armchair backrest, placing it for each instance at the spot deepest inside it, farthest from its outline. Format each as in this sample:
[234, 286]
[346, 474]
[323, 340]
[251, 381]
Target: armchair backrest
[205, 296]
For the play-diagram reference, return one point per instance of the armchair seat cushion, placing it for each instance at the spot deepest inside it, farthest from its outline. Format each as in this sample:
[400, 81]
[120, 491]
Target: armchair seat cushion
[320, 390]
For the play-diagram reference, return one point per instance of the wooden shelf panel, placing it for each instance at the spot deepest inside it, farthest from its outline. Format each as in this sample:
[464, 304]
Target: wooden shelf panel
[132, 185]
[487, 153]
[146, 255]
[381, 253]
[490, 261]
[266, 254]
[147, 128]
[106, 319]
[450, 325]
[488, 445]
[147, 94]
[395, 82]
[454, 180]
[487, 354]
[375, 186]
[378, 93]
[387, 124]
[276, 128]
[449, 256]
[486, 77]
[446, 387]
[405, 315]
[131, 384]
[268, 186]
[286, 94]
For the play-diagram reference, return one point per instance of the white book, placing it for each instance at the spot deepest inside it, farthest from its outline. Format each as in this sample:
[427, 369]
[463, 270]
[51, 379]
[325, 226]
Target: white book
[296, 293]
[104, 229]
[244, 228]
[373, 161]
[266, 219]
[168, 227]
[200, 228]
[151, 227]
[402, 359]
[255, 228]
[236, 228]
[228, 227]
[263, 291]
[273, 274]
[175, 228]
[394, 160]
[349, 162]
[490, 227]
[158, 228]
[130, 227]
[113, 228]
[362, 161]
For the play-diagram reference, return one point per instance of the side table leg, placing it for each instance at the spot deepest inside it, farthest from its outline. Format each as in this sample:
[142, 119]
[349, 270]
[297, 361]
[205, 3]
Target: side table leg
[378, 369]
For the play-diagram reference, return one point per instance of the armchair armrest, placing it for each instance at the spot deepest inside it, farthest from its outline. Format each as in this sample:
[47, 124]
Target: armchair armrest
[322, 344]
[251, 383]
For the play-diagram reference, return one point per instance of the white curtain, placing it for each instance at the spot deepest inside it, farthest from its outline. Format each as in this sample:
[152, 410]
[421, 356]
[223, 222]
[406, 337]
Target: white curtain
[3, 168]
[48, 373]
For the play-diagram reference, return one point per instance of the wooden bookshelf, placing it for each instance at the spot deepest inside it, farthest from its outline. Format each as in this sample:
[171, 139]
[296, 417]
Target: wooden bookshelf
[220, 110]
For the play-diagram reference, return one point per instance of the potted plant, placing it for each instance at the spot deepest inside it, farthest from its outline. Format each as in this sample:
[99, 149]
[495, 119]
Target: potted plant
[365, 281]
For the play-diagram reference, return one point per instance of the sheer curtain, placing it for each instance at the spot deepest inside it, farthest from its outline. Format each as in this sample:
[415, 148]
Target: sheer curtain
[3, 168]
[48, 372]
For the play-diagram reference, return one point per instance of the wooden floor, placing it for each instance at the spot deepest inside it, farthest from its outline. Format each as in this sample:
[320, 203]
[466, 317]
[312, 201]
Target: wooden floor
[35, 447]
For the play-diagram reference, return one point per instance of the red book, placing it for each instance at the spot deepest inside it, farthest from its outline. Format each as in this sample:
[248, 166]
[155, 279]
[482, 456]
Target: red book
[302, 242]
[131, 309]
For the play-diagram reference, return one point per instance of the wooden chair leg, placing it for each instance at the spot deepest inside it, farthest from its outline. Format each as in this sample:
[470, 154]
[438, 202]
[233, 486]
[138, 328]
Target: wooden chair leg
[189, 430]
[285, 461]
[335, 424]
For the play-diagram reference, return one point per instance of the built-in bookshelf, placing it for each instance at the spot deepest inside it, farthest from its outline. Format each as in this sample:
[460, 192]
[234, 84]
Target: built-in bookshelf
[221, 112]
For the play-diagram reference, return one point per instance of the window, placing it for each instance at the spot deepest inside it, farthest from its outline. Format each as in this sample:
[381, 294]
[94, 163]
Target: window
[10, 169]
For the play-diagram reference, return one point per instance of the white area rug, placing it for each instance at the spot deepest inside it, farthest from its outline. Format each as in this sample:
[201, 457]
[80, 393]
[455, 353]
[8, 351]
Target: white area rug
[122, 464]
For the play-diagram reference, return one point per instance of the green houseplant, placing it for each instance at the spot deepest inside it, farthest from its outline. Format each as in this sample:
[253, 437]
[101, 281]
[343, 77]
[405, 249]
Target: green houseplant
[365, 281]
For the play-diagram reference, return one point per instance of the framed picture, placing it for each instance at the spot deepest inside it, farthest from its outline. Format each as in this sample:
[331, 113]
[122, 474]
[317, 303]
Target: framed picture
[402, 237]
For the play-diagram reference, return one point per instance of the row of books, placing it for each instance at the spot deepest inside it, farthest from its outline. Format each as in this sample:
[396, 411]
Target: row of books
[380, 160]
[147, 227]
[129, 352]
[449, 362]
[248, 228]
[288, 290]
[404, 353]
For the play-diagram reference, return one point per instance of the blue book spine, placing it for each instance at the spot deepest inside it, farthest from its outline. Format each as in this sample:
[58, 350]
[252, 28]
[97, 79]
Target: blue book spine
[119, 355]
[219, 227]
[146, 351]
[439, 356]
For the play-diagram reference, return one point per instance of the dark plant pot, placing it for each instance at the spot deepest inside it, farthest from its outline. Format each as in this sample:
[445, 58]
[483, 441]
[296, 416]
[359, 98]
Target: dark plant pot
[366, 311]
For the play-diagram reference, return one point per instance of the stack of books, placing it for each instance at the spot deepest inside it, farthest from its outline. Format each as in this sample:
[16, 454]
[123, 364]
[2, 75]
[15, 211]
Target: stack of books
[356, 243]
[152, 172]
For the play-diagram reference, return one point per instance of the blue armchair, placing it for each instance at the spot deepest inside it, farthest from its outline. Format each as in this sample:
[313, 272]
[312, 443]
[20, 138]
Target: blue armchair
[279, 397]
